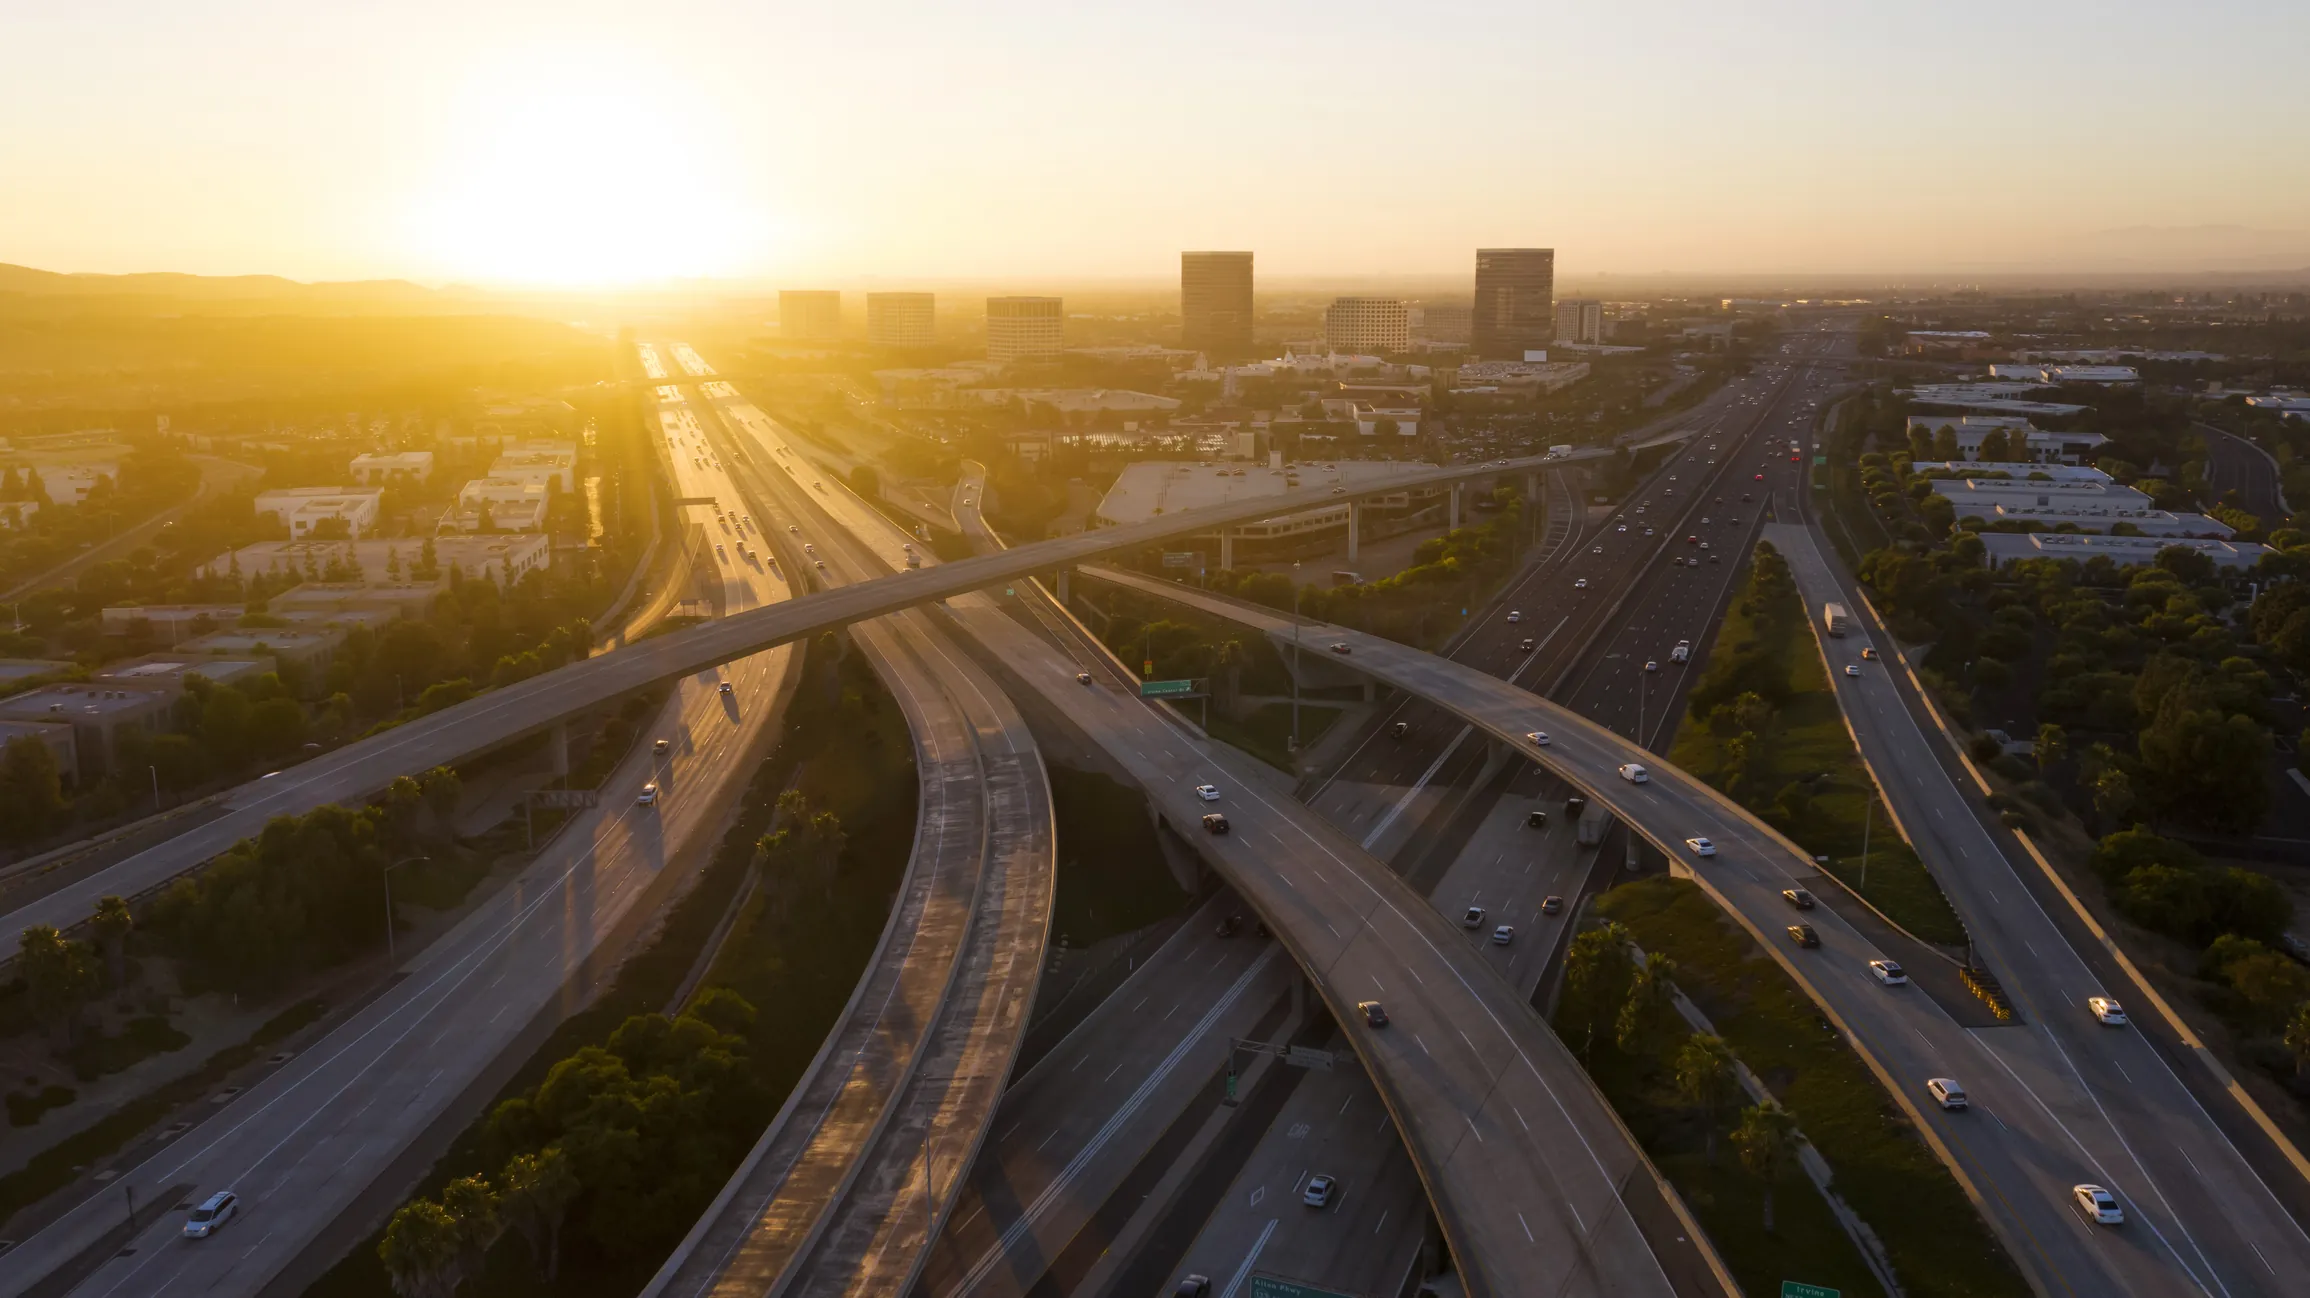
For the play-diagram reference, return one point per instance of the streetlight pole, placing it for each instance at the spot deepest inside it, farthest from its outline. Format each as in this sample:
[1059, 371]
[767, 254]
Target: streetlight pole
[1868, 815]
[387, 873]
[1295, 656]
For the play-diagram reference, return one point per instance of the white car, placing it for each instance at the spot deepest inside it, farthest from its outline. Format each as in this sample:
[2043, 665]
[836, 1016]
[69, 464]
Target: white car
[649, 795]
[1319, 1190]
[1538, 738]
[1634, 774]
[1503, 935]
[1515, 615]
[1946, 1092]
[1207, 792]
[1622, 528]
[1888, 972]
[2099, 1206]
[1473, 917]
[1851, 670]
[1598, 549]
[1701, 846]
[213, 1213]
[1581, 584]
[2109, 1012]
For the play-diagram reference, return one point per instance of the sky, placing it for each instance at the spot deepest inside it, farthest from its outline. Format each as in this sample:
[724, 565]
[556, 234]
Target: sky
[519, 142]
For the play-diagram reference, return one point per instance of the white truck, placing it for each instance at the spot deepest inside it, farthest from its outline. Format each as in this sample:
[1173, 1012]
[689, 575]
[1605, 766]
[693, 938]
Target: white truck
[1835, 620]
[1559, 452]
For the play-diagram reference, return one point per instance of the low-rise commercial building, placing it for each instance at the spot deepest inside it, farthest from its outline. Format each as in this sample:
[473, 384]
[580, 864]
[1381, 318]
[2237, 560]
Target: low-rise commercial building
[497, 505]
[391, 468]
[57, 736]
[1518, 377]
[169, 622]
[2103, 375]
[2020, 434]
[2124, 551]
[2099, 518]
[2019, 470]
[1987, 493]
[166, 673]
[303, 509]
[549, 464]
[307, 648]
[98, 715]
[389, 562]
[1367, 324]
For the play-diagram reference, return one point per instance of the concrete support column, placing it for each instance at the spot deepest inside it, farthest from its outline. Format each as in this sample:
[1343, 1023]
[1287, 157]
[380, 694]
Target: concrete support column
[1454, 518]
[1064, 573]
[557, 747]
[1227, 547]
[1531, 490]
[1355, 528]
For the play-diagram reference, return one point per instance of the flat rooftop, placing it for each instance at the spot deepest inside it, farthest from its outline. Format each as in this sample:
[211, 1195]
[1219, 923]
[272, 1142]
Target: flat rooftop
[2125, 551]
[1150, 488]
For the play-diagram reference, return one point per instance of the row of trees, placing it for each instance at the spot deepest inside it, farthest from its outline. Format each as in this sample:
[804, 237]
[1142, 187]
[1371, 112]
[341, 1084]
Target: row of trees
[60, 975]
[305, 893]
[1632, 1004]
[628, 1141]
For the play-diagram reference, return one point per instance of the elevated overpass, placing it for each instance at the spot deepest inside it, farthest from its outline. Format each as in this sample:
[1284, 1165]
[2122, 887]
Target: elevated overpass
[545, 701]
[2053, 1132]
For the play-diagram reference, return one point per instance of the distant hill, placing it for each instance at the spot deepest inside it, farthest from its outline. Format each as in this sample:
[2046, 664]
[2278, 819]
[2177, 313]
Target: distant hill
[217, 288]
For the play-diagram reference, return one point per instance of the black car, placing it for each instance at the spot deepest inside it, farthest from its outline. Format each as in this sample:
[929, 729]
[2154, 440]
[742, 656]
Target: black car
[1194, 1286]
[1375, 1016]
[1798, 898]
[1536, 820]
[1574, 806]
[1215, 823]
[1229, 924]
[1400, 729]
[1804, 936]
[1551, 905]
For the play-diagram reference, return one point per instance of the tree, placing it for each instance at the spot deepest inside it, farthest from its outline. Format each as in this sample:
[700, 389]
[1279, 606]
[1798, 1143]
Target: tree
[538, 1190]
[31, 790]
[1945, 444]
[2052, 746]
[2206, 767]
[1650, 1007]
[1996, 447]
[1767, 1141]
[2298, 1041]
[866, 482]
[1597, 974]
[473, 1205]
[806, 848]
[58, 977]
[421, 1251]
[112, 924]
[1707, 1080]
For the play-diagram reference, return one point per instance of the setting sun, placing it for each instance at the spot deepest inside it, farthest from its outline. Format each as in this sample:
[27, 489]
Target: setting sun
[581, 177]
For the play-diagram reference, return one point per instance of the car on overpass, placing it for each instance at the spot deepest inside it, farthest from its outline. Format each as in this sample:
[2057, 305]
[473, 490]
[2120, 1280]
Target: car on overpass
[2097, 1205]
[1634, 774]
[1538, 738]
[1375, 1014]
[1701, 846]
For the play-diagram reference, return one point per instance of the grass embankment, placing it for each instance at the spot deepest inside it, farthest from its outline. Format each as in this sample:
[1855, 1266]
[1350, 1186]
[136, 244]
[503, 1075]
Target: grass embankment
[1111, 877]
[1765, 729]
[1265, 731]
[1937, 1243]
[845, 746]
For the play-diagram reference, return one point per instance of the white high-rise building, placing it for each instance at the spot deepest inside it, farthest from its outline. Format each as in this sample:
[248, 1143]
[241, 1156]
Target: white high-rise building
[1024, 328]
[1367, 325]
[1580, 320]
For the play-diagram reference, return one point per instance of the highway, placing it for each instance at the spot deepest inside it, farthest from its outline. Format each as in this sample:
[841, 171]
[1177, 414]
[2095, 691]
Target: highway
[2127, 1121]
[2038, 1105]
[501, 715]
[308, 1142]
[2236, 464]
[837, 1195]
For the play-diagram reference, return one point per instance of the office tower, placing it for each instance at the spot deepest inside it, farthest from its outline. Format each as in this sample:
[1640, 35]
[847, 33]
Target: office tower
[1024, 328]
[809, 313]
[1215, 303]
[900, 319]
[1580, 320]
[1367, 325]
[1443, 322]
[1515, 302]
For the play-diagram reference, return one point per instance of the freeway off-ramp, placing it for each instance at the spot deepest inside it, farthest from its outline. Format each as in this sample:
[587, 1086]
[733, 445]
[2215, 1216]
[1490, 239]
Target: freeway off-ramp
[2051, 1128]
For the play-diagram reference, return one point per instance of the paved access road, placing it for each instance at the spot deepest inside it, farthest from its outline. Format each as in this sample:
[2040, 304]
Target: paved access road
[839, 1194]
[308, 1142]
[2235, 464]
[2036, 1147]
[2119, 1114]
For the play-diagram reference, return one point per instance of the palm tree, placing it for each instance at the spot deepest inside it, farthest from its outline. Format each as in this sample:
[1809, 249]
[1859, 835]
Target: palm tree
[1595, 970]
[1650, 1005]
[538, 1192]
[2298, 1040]
[1767, 1140]
[56, 975]
[1706, 1079]
[112, 924]
[420, 1251]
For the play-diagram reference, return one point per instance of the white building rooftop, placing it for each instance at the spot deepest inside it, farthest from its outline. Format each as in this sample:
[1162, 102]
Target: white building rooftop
[2125, 551]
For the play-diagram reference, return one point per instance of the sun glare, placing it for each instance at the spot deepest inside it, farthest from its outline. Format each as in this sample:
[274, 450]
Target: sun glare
[583, 179]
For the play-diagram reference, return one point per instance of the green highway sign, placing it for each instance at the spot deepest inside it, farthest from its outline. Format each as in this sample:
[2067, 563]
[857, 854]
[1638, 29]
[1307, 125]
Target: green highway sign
[1799, 1289]
[1165, 689]
[1268, 1286]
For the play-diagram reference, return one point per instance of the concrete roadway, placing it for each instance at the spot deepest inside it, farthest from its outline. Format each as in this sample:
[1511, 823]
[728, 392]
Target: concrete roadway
[2236, 464]
[500, 715]
[1534, 1180]
[2124, 1119]
[306, 1144]
[835, 1198]
[2020, 1175]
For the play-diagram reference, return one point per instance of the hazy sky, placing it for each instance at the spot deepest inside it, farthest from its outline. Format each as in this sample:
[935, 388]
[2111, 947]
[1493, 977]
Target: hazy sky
[571, 141]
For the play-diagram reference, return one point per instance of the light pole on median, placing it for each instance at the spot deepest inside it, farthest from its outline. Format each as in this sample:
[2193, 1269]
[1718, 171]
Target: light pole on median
[387, 873]
[1295, 656]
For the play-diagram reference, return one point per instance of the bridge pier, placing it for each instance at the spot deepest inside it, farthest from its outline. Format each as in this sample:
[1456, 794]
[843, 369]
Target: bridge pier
[1355, 529]
[1227, 547]
[1064, 574]
[557, 747]
[1453, 519]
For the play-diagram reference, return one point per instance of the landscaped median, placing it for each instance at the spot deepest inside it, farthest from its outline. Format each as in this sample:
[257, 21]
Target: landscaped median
[1764, 728]
[1723, 1157]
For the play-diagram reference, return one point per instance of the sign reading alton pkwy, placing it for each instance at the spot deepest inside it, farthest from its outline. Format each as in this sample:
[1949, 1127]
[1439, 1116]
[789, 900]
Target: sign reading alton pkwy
[1165, 689]
[1268, 1286]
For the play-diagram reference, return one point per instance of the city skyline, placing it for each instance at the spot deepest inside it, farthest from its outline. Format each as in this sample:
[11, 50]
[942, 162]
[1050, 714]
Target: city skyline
[464, 146]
